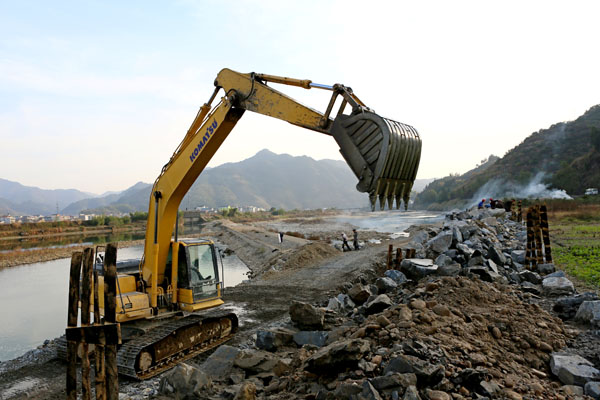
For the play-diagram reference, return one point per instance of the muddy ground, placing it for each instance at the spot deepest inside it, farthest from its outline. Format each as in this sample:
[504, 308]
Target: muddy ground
[296, 269]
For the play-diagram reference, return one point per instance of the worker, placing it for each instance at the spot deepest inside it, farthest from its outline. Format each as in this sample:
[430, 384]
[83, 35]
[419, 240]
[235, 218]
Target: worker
[481, 204]
[355, 239]
[489, 205]
[345, 244]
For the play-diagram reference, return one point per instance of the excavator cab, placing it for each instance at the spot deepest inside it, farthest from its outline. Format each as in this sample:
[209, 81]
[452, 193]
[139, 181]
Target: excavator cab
[198, 278]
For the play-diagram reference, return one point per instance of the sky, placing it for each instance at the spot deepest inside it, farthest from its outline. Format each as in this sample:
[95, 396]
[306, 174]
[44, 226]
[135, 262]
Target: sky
[96, 95]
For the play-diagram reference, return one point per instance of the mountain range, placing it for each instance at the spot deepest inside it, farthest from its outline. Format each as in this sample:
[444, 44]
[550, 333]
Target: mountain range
[265, 180]
[559, 161]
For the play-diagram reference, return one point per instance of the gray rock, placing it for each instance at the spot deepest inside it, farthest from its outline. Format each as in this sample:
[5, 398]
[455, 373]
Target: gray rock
[416, 268]
[378, 304]
[315, 338]
[255, 361]
[219, 364]
[306, 316]
[592, 389]
[589, 313]
[546, 269]
[557, 286]
[496, 255]
[411, 394]
[427, 374]
[337, 356]
[457, 236]
[443, 260]
[449, 270]
[394, 380]
[518, 256]
[369, 392]
[184, 380]
[464, 249]
[566, 307]
[334, 305]
[346, 301]
[485, 274]
[476, 260]
[557, 274]
[573, 369]
[492, 265]
[385, 284]
[530, 276]
[359, 293]
[397, 276]
[441, 242]
[347, 390]
[419, 236]
[274, 339]
[529, 287]
[489, 388]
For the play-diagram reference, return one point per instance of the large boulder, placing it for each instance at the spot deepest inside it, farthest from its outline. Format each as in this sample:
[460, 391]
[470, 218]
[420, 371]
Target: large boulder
[385, 284]
[589, 313]
[530, 276]
[315, 338]
[417, 268]
[557, 286]
[359, 293]
[219, 364]
[397, 276]
[378, 304]
[256, 361]
[496, 255]
[592, 389]
[441, 242]
[573, 369]
[306, 316]
[337, 356]
[428, 374]
[518, 256]
[273, 339]
[184, 381]
[566, 307]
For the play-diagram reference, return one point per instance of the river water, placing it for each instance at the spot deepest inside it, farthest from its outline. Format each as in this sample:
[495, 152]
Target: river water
[34, 297]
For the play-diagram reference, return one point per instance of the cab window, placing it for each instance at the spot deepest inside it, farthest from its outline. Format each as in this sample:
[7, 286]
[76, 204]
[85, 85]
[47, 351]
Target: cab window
[202, 265]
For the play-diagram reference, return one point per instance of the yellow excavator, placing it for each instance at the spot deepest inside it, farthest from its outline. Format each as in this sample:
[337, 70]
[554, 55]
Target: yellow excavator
[158, 297]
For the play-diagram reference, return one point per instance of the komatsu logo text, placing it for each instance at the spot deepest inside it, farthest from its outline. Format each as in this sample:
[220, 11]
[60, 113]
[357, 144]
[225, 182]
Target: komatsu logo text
[209, 131]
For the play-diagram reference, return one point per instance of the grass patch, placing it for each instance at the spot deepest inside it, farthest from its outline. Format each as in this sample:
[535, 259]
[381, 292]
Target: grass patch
[577, 247]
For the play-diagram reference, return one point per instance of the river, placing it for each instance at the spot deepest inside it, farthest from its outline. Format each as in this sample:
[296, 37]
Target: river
[34, 297]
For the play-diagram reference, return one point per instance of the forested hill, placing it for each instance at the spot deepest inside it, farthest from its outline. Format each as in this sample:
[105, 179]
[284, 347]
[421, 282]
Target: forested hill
[565, 156]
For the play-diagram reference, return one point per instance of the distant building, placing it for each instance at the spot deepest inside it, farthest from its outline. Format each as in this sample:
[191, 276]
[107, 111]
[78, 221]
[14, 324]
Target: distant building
[7, 219]
[591, 191]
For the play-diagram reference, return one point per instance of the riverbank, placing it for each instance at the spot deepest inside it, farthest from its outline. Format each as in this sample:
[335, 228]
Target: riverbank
[21, 257]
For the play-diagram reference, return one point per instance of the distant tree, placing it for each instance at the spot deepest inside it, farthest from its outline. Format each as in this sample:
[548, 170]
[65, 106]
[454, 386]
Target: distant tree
[595, 137]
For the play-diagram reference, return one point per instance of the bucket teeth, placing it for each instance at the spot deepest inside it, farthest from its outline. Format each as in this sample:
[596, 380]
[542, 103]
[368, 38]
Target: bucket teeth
[383, 154]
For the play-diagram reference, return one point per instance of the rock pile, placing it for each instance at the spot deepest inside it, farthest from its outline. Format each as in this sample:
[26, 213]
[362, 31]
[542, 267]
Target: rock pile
[458, 322]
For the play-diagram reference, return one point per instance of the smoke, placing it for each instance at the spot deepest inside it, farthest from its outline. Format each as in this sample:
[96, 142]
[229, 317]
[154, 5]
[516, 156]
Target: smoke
[535, 189]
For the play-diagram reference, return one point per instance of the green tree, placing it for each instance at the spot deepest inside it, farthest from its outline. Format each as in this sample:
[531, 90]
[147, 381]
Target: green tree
[595, 137]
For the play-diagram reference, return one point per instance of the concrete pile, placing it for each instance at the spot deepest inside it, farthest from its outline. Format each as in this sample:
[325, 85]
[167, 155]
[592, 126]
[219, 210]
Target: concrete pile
[461, 321]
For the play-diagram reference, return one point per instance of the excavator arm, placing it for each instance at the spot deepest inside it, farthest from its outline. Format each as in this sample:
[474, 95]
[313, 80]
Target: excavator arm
[383, 154]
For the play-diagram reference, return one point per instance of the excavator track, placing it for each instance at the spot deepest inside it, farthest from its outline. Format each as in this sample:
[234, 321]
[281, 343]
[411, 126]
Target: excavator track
[166, 345]
[173, 342]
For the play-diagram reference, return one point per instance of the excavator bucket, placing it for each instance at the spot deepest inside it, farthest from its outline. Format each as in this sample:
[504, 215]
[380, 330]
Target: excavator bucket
[383, 154]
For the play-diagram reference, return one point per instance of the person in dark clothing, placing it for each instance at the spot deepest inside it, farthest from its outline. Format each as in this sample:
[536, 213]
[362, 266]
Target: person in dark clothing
[355, 239]
[345, 244]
